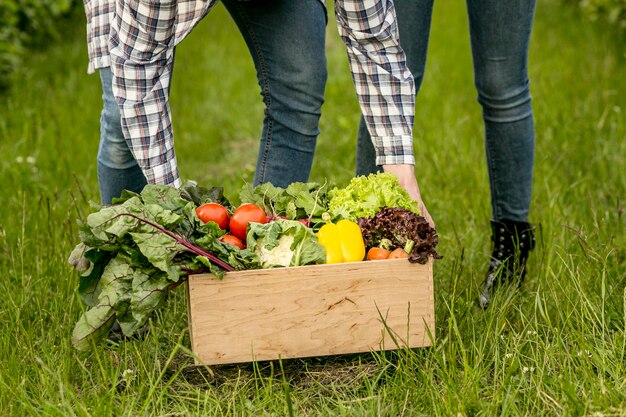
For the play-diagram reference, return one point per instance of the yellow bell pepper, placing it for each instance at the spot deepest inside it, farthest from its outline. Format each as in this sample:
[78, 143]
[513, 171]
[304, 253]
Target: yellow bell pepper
[343, 242]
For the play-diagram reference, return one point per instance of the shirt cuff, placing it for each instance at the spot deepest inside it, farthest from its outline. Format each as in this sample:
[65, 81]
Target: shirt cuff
[165, 173]
[394, 150]
[98, 63]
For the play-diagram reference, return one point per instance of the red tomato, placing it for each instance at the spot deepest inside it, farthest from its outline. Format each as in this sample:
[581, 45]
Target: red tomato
[232, 240]
[213, 212]
[245, 214]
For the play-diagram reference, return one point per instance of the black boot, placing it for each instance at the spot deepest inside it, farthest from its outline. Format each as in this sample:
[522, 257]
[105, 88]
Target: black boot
[512, 241]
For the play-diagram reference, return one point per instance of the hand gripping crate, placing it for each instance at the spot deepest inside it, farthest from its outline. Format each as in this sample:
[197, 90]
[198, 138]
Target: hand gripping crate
[308, 311]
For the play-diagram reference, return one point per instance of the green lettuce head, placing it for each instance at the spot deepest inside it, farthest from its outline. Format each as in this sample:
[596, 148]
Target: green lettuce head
[366, 195]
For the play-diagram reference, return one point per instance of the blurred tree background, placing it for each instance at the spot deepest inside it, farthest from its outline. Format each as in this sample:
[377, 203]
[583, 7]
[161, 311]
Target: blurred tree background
[613, 11]
[26, 24]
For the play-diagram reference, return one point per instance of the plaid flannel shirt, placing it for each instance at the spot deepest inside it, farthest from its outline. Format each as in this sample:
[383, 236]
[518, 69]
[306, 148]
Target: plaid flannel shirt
[144, 34]
[99, 14]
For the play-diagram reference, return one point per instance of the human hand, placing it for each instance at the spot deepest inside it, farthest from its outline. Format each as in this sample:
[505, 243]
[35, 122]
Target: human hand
[407, 180]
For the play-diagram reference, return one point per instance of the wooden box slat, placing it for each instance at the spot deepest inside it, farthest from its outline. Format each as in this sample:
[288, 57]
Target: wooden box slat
[309, 311]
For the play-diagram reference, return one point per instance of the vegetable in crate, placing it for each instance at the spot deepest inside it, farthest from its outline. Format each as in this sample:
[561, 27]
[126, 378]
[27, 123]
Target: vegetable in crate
[343, 242]
[284, 243]
[299, 201]
[232, 240]
[376, 253]
[366, 195]
[133, 253]
[404, 229]
[245, 214]
[214, 212]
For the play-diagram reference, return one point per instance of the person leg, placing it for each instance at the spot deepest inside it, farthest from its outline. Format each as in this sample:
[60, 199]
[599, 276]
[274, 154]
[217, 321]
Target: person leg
[500, 35]
[414, 17]
[286, 39]
[117, 168]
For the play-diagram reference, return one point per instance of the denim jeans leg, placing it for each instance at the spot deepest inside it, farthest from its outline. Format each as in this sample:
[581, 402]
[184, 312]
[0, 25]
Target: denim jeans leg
[500, 35]
[117, 168]
[286, 39]
[414, 17]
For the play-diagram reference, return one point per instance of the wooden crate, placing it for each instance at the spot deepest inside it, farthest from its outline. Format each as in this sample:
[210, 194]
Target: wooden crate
[309, 311]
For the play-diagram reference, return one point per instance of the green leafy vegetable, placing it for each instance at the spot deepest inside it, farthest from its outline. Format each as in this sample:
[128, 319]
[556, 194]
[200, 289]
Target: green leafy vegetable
[133, 253]
[366, 195]
[284, 243]
[400, 228]
[298, 201]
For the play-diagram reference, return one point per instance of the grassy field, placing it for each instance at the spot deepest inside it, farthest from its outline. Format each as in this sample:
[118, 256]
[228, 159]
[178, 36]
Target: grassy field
[557, 347]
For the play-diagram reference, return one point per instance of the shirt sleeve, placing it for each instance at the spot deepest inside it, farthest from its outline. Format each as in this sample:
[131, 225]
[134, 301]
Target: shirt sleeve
[142, 57]
[384, 84]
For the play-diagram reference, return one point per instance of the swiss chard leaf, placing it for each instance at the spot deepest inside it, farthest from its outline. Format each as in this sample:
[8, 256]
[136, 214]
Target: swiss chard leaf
[88, 287]
[125, 195]
[190, 191]
[115, 284]
[160, 250]
[163, 196]
[149, 290]
[93, 326]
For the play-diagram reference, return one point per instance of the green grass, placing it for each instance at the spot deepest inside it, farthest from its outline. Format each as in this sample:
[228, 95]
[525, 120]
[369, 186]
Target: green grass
[557, 347]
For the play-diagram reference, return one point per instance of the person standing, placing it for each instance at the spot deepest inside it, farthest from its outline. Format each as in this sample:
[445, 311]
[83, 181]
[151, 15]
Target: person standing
[499, 35]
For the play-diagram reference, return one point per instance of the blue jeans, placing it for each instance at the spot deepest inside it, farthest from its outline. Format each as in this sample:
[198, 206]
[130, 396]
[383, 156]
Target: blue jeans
[499, 34]
[117, 168]
[286, 39]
